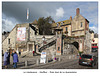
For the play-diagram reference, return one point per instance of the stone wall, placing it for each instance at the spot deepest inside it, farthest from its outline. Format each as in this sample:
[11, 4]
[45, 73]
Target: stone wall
[87, 42]
[70, 49]
[39, 38]
[12, 37]
[77, 29]
[68, 29]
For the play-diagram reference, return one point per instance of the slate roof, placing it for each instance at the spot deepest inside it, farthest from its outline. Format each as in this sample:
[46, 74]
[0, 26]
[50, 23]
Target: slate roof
[61, 23]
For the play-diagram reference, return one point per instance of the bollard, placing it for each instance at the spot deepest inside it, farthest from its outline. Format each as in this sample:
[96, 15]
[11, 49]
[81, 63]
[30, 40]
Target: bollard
[26, 63]
[73, 56]
[59, 59]
[47, 60]
[37, 62]
[69, 57]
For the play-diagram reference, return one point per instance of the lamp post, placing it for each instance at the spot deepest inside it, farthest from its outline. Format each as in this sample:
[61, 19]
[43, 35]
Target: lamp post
[43, 40]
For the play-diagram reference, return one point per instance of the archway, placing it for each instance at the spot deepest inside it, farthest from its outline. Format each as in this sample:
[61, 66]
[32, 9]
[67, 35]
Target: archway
[76, 44]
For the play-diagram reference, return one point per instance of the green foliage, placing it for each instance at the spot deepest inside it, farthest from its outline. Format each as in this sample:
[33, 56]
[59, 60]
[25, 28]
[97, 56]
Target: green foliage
[91, 31]
[44, 25]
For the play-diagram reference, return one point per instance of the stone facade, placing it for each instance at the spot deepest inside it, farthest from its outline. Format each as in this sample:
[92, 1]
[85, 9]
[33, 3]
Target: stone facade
[76, 27]
[94, 40]
[64, 25]
[87, 42]
[9, 41]
[31, 39]
[79, 25]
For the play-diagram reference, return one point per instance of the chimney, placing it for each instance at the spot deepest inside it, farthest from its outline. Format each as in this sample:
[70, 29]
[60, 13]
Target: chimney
[70, 17]
[77, 11]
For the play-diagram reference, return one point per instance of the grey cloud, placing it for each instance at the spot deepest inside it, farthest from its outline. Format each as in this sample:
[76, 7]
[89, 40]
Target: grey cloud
[37, 9]
[16, 11]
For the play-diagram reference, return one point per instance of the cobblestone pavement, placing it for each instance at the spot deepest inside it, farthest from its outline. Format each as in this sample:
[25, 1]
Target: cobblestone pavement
[66, 62]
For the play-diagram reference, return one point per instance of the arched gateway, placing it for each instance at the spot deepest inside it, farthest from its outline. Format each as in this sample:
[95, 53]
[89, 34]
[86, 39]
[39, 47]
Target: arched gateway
[76, 44]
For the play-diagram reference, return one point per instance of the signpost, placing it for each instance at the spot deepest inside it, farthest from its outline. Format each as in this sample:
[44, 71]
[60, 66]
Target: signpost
[43, 57]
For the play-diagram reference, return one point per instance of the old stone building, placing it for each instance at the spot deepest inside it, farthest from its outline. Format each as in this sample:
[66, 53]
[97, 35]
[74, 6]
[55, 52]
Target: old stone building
[4, 35]
[79, 24]
[64, 25]
[19, 37]
[94, 41]
[78, 28]
[25, 37]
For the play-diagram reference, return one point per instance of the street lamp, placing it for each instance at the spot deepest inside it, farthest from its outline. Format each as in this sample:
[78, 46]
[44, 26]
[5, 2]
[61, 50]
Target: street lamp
[43, 40]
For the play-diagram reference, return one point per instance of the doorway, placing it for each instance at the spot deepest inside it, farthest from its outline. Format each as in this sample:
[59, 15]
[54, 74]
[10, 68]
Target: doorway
[76, 44]
[30, 47]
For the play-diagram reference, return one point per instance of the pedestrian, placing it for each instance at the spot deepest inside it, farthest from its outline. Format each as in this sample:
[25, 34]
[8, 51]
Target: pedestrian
[15, 59]
[19, 53]
[54, 55]
[12, 55]
[6, 59]
[80, 53]
[33, 53]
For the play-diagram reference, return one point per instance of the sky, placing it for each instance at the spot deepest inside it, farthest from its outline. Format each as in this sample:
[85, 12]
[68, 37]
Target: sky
[16, 12]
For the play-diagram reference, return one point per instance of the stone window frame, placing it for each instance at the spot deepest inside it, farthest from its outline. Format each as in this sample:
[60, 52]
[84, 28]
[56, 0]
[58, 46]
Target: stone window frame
[67, 28]
[57, 24]
[61, 23]
[81, 24]
[8, 40]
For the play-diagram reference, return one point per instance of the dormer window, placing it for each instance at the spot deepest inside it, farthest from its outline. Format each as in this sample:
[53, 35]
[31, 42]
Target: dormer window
[61, 23]
[57, 24]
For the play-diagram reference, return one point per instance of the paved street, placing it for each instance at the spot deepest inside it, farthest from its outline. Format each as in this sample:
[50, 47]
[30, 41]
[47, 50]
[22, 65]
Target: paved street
[64, 63]
[70, 64]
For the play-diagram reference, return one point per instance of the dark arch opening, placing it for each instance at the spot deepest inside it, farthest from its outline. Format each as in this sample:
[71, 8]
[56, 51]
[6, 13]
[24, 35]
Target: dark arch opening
[76, 44]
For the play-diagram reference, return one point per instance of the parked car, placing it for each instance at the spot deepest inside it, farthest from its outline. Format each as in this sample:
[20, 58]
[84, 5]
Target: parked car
[94, 50]
[87, 59]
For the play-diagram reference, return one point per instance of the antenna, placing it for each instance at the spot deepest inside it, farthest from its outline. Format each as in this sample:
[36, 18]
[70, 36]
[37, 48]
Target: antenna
[27, 13]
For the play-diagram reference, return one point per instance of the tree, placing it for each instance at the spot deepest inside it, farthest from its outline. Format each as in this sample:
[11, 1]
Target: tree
[45, 25]
[91, 31]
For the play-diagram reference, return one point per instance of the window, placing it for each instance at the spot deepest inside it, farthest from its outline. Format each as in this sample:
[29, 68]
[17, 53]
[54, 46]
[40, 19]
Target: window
[94, 44]
[57, 24]
[87, 56]
[9, 41]
[66, 29]
[58, 48]
[61, 23]
[81, 24]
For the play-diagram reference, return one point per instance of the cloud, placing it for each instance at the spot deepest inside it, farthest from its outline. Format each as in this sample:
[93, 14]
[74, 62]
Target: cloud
[7, 25]
[36, 10]
[57, 13]
[60, 12]
[57, 10]
[94, 28]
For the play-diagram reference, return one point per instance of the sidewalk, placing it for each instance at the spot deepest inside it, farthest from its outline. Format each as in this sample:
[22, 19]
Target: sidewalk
[32, 61]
